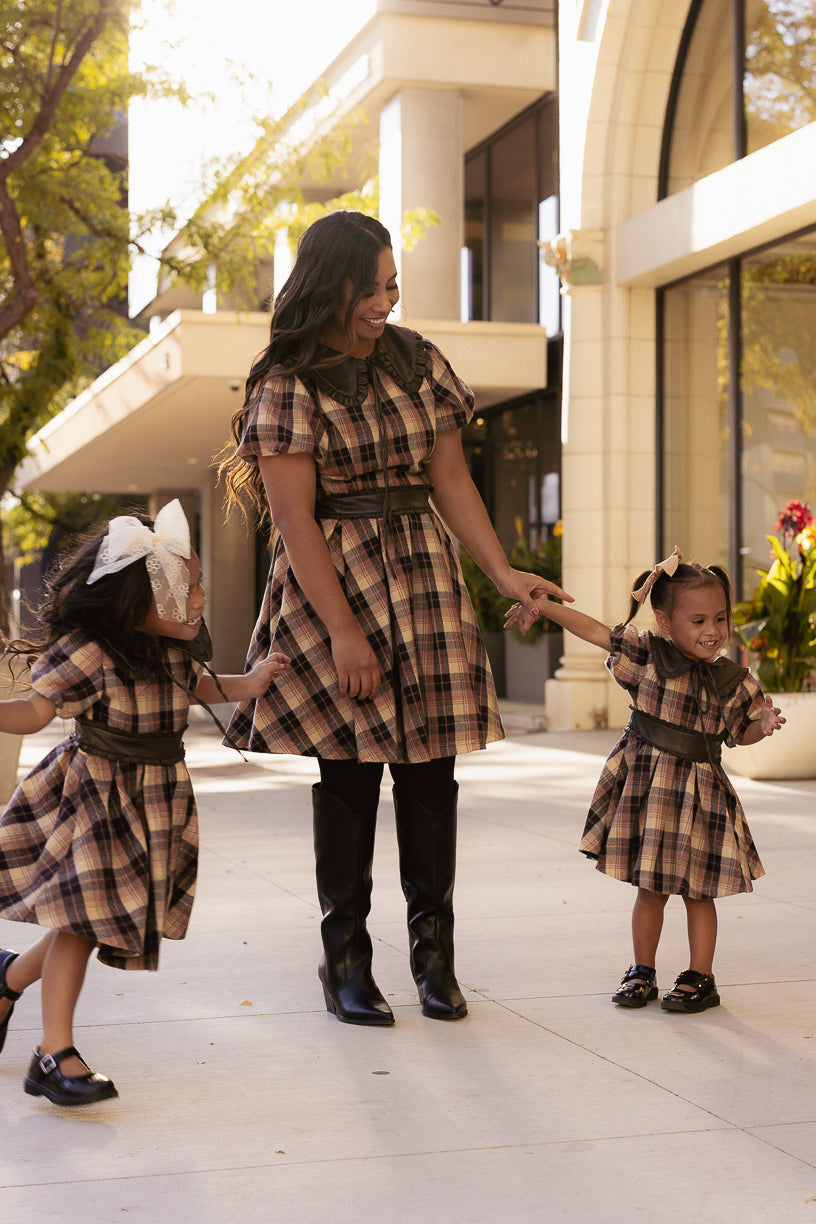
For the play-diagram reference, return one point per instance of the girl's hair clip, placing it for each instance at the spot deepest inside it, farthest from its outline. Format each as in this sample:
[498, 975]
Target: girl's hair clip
[667, 567]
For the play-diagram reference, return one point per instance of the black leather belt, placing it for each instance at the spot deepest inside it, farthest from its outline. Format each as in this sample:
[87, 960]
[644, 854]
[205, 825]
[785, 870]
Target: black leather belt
[692, 745]
[410, 499]
[119, 745]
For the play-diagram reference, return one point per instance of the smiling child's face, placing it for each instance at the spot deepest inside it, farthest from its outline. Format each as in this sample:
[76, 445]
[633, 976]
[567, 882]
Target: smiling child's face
[698, 624]
[186, 630]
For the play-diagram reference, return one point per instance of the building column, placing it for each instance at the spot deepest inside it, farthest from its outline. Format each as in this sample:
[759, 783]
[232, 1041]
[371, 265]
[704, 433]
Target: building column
[422, 166]
[227, 563]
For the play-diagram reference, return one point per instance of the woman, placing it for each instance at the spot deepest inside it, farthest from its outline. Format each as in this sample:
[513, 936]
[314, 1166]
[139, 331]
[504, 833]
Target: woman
[347, 428]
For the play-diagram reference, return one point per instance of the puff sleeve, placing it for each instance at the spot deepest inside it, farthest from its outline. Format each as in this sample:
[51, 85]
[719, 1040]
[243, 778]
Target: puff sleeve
[70, 673]
[283, 419]
[453, 398]
[629, 655]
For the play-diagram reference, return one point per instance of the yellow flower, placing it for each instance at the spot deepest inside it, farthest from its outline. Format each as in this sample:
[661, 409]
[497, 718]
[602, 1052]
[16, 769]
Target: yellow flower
[558, 529]
[806, 539]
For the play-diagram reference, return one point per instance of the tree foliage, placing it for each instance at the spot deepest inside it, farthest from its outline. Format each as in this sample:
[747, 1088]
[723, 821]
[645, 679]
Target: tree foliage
[64, 86]
[66, 235]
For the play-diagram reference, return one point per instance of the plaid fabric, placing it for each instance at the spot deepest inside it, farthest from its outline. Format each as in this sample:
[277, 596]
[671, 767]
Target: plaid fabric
[661, 822]
[104, 849]
[438, 697]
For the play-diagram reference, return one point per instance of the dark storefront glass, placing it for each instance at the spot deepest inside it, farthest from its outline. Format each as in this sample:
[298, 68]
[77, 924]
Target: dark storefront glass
[739, 404]
[511, 193]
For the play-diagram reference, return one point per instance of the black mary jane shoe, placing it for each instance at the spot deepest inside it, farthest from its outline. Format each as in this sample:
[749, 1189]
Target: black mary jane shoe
[7, 993]
[702, 996]
[638, 987]
[45, 1079]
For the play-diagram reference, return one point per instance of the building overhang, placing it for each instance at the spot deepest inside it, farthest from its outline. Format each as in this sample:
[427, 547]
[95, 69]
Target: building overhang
[156, 419]
[749, 203]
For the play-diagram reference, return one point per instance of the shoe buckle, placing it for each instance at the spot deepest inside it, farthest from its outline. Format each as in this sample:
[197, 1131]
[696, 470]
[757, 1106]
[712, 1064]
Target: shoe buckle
[47, 1064]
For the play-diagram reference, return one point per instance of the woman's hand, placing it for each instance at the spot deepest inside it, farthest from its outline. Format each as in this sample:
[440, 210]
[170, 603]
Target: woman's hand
[530, 592]
[358, 672]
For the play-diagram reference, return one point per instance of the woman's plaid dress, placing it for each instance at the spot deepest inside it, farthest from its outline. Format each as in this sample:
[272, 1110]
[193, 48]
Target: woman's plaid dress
[105, 849]
[404, 585]
[658, 820]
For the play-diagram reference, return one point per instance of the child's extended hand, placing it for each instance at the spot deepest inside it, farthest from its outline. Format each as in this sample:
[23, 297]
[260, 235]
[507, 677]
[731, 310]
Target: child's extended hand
[519, 616]
[263, 673]
[770, 719]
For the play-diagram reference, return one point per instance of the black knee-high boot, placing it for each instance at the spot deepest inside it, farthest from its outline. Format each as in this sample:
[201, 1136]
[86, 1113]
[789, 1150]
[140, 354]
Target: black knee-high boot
[427, 854]
[344, 852]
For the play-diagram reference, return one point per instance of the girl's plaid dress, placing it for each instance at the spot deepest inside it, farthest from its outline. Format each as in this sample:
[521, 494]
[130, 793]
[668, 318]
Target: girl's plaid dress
[404, 585]
[105, 849]
[658, 820]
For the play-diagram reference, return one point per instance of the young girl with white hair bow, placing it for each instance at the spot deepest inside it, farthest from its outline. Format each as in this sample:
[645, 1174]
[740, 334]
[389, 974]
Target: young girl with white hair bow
[99, 842]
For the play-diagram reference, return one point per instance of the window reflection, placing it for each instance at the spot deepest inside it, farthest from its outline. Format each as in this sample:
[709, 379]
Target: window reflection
[776, 406]
[707, 128]
[511, 187]
[780, 70]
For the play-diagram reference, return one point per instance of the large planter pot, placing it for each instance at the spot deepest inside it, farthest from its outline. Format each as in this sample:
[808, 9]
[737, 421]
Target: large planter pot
[528, 665]
[787, 754]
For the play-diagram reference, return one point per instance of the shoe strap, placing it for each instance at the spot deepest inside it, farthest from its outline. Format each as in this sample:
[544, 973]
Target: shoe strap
[50, 1062]
[690, 977]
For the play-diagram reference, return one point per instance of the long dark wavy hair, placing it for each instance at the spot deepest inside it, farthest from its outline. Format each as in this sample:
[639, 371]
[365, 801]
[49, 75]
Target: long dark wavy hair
[687, 575]
[338, 249]
[109, 611]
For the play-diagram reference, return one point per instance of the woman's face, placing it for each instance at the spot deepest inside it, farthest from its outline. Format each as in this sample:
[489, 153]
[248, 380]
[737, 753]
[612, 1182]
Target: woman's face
[370, 313]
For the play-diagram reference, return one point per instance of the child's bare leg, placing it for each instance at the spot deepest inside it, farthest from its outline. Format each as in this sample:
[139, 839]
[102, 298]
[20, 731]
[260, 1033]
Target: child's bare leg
[701, 921]
[647, 925]
[26, 969]
[63, 973]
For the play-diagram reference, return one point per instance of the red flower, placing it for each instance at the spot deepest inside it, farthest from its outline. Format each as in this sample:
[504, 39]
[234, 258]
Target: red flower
[794, 518]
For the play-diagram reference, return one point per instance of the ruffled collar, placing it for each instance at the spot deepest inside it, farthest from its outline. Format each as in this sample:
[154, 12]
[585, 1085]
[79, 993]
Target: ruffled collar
[669, 662]
[400, 352]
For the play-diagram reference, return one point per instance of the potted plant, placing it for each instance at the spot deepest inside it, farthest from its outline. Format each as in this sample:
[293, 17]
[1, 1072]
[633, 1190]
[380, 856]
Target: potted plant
[531, 658]
[490, 608]
[777, 625]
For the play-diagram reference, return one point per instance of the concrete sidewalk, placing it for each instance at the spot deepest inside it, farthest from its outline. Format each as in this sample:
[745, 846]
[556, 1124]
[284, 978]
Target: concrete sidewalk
[242, 1099]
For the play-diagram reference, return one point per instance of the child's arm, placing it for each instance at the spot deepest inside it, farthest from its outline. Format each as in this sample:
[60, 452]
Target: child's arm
[575, 622]
[770, 720]
[25, 715]
[237, 688]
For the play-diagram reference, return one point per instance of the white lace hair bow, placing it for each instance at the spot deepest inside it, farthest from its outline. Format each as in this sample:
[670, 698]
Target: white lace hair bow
[165, 549]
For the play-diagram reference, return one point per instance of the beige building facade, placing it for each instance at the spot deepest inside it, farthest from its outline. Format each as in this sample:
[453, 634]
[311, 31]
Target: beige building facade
[663, 396]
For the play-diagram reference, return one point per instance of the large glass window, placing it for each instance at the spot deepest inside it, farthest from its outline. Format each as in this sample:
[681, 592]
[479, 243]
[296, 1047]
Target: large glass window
[514, 454]
[739, 403]
[745, 77]
[511, 189]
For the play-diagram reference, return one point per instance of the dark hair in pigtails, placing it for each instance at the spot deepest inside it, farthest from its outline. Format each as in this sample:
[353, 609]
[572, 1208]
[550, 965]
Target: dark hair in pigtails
[687, 574]
[633, 603]
[110, 611]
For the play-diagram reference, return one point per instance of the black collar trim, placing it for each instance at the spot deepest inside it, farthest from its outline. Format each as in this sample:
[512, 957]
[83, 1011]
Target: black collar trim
[398, 351]
[670, 663]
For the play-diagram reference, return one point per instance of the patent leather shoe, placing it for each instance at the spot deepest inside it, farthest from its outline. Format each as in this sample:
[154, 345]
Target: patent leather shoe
[7, 993]
[45, 1079]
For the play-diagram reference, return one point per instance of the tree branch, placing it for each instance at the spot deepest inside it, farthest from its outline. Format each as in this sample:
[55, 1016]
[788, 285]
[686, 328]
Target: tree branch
[53, 93]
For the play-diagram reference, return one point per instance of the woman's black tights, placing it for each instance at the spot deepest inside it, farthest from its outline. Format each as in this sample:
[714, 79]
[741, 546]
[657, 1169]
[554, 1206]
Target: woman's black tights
[357, 784]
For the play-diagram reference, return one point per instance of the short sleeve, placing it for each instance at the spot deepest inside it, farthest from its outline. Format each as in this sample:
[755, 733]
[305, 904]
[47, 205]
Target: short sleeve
[629, 655]
[70, 673]
[283, 419]
[453, 398]
[743, 708]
